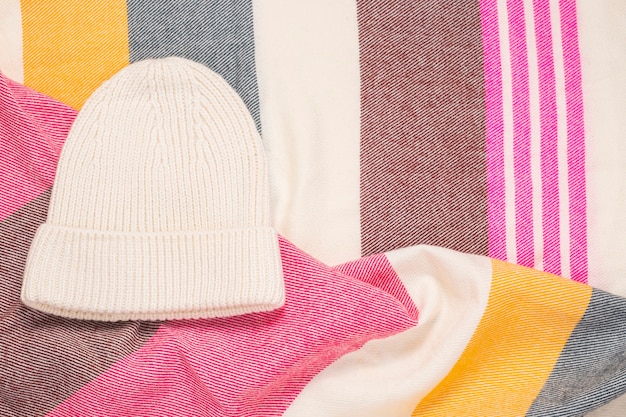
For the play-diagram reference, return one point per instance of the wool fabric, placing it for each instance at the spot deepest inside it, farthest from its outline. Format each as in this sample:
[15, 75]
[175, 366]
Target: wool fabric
[160, 205]
[493, 339]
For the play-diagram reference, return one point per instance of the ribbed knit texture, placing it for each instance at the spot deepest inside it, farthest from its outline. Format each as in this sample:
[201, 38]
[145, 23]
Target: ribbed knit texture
[160, 207]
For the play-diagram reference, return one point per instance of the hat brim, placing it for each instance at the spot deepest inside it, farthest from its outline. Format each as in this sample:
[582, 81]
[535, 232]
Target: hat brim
[114, 276]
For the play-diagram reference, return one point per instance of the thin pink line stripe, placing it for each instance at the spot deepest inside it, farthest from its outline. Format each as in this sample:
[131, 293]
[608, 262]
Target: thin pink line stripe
[549, 139]
[521, 134]
[575, 142]
[494, 130]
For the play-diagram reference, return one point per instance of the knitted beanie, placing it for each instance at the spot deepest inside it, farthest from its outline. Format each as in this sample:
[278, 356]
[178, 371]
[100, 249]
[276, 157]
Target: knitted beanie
[160, 205]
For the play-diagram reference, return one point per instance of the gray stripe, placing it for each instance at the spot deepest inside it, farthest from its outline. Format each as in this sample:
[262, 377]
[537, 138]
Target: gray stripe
[423, 173]
[591, 370]
[218, 34]
[45, 359]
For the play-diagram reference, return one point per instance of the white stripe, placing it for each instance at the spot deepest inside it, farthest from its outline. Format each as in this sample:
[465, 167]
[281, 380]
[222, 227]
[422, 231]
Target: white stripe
[450, 290]
[11, 40]
[602, 37]
[307, 56]
[561, 113]
[535, 132]
[507, 115]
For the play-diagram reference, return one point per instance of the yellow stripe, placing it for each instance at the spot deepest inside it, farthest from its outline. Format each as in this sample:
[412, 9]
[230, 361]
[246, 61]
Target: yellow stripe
[72, 46]
[529, 317]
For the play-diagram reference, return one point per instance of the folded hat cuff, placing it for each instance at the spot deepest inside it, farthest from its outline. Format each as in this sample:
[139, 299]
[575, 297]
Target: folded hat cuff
[114, 276]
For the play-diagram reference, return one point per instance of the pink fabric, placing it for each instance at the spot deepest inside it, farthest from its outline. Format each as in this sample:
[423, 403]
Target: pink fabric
[33, 128]
[575, 142]
[377, 271]
[521, 135]
[252, 365]
[494, 130]
[549, 139]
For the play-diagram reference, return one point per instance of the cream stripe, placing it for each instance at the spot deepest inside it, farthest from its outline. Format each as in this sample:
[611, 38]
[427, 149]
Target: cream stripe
[308, 75]
[507, 115]
[602, 36]
[11, 40]
[535, 132]
[561, 112]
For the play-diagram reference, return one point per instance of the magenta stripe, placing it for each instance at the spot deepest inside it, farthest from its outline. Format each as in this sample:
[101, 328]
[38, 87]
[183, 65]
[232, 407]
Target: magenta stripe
[575, 142]
[521, 135]
[494, 130]
[549, 140]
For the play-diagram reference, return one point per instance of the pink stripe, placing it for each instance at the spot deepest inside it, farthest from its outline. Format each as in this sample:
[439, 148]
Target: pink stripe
[575, 142]
[251, 365]
[521, 135]
[549, 140]
[33, 128]
[376, 270]
[494, 130]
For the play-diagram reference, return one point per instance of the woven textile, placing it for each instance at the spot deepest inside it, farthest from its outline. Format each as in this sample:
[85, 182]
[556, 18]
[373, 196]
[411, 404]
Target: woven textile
[413, 132]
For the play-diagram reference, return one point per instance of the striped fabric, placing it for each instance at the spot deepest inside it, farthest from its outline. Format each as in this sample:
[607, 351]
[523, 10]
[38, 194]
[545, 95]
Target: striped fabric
[528, 320]
[488, 126]
[44, 358]
[86, 42]
[580, 380]
[560, 359]
[459, 125]
[219, 37]
[536, 140]
[250, 365]
[493, 338]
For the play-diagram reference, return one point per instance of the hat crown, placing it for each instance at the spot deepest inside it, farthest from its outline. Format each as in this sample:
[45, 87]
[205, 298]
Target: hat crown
[164, 146]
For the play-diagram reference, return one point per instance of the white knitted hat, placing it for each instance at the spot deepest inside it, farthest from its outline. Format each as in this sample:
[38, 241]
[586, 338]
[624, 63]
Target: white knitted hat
[160, 206]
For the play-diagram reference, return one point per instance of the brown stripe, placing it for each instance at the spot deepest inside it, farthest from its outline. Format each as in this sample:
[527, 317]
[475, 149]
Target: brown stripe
[43, 358]
[423, 174]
